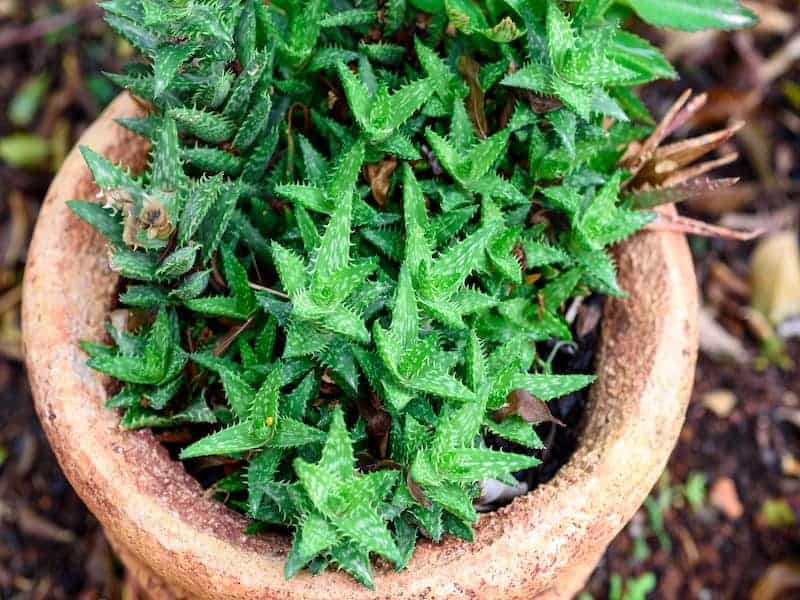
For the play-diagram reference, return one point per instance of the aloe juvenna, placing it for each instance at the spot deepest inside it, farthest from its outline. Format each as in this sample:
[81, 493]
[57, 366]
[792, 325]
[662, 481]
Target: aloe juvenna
[359, 222]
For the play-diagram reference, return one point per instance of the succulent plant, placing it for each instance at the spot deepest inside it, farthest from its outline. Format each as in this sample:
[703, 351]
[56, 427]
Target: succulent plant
[359, 224]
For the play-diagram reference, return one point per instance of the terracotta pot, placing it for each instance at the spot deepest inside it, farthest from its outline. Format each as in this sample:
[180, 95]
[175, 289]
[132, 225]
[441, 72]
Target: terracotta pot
[179, 543]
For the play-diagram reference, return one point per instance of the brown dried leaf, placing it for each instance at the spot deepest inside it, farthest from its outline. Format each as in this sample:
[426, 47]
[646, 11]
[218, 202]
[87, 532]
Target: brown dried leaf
[775, 276]
[378, 423]
[685, 151]
[588, 320]
[17, 232]
[35, 525]
[716, 342]
[130, 228]
[779, 581]
[663, 175]
[470, 69]
[155, 219]
[378, 175]
[780, 61]
[527, 406]
[785, 218]
[790, 466]
[679, 224]
[688, 45]
[10, 299]
[689, 173]
[644, 152]
[665, 166]
[771, 19]
[416, 491]
[726, 103]
[730, 281]
[649, 196]
[724, 497]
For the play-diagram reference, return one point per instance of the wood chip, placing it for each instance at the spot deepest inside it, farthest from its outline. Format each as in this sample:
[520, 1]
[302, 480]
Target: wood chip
[779, 582]
[724, 497]
[721, 402]
[716, 342]
[790, 465]
[33, 524]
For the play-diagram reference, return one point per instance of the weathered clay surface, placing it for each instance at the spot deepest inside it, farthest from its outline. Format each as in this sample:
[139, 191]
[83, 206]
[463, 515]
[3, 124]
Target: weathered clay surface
[180, 544]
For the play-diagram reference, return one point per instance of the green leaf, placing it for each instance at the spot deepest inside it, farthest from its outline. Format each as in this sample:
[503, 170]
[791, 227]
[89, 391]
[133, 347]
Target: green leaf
[264, 409]
[517, 430]
[637, 55]
[207, 126]
[485, 154]
[692, 16]
[194, 285]
[547, 387]
[134, 265]
[350, 18]
[291, 269]
[354, 560]
[560, 36]
[337, 318]
[238, 282]
[178, 263]
[390, 111]
[292, 433]
[473, 464]
[238, 392]
[313, 537]
[166, 170]
[167, 59]
[532, 76]
[107, 175]
[139, 417]
[231, 440]
[253, 124]
[26, 101]
[100, 218]
[405, 318]
[358, 96]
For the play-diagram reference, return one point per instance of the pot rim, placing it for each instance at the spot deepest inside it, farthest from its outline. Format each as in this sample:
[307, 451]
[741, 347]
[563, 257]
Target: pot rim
[546, 542]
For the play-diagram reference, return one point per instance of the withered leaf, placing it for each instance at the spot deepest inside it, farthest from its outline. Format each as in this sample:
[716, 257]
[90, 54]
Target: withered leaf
[679, 224]
[527, 406]
[469, 69]
[780, 580]
[775, 276]
[378, 423]
[650, 196]
[416, 491]
[378, 175]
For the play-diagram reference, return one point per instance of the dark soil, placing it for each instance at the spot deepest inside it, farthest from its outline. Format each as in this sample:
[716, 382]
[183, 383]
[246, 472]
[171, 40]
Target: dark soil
[50, 546]
[713, 556]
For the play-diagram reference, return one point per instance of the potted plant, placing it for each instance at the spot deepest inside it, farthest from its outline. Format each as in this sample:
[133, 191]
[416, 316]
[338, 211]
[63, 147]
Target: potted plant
[330, 247]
